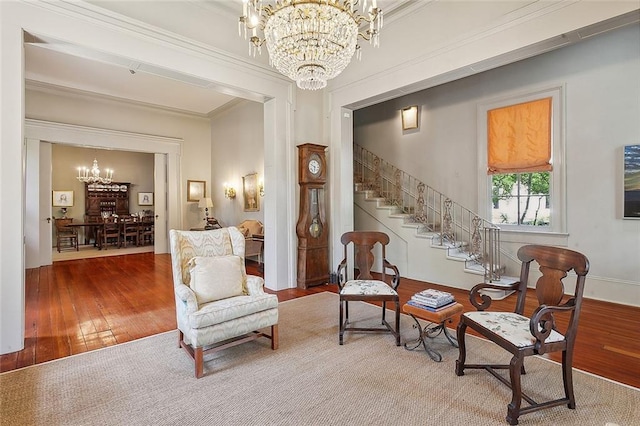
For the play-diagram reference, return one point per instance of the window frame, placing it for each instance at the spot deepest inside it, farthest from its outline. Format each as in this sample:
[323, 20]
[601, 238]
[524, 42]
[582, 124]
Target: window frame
[557, 190]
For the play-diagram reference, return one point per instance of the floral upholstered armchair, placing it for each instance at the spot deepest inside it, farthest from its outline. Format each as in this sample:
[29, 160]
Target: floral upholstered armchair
[216, 300]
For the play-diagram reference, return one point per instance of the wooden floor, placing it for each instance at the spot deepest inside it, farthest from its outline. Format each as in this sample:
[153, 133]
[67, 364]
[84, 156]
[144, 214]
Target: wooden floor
[80, 305]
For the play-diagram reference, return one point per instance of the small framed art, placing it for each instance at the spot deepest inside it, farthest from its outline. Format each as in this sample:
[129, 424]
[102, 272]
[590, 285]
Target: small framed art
[62, 198]
[196, 189]
[145, 198]
[250, 193]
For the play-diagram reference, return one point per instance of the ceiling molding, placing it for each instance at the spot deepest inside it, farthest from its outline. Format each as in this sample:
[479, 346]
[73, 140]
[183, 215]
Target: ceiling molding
[228, 106]
[121, 23]
[535, 49]
[53, 89]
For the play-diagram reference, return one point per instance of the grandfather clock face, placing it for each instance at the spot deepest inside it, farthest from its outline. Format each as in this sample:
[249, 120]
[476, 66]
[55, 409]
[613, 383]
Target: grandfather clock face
[312, 167]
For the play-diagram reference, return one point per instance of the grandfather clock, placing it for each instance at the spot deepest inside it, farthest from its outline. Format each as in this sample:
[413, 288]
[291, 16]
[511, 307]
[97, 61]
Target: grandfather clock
[312, 229]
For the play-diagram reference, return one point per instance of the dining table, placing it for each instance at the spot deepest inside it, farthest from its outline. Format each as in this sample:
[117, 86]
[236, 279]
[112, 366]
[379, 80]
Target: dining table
[97, 226]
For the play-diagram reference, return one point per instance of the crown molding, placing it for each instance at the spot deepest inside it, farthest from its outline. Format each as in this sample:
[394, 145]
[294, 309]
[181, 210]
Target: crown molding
[53, 89]
[106, 18]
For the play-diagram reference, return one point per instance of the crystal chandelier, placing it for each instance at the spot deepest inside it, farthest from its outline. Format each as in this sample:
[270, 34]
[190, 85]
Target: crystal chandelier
[92, 175]
[309, 41]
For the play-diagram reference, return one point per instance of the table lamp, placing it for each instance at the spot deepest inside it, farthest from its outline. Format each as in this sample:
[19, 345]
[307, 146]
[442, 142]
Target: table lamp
[205, 203]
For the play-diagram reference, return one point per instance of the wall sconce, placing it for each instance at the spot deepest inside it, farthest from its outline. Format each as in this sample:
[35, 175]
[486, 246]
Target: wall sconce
[229, 191]
[261, 187]
[410, 117]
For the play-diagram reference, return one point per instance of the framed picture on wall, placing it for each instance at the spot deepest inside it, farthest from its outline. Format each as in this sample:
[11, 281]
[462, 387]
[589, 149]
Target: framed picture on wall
[632, 182]
[196, 189]
[63, 198]
[145, 198]
[250, 193]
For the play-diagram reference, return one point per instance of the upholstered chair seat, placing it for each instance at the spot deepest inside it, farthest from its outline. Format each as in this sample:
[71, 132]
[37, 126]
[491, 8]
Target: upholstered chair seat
[367, 287]
[512, 327]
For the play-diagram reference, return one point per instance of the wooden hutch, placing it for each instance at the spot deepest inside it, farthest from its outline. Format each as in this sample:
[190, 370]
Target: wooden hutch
[110, 198]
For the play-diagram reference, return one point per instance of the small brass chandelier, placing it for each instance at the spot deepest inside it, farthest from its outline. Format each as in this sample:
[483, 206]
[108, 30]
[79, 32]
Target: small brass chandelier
[309, 41]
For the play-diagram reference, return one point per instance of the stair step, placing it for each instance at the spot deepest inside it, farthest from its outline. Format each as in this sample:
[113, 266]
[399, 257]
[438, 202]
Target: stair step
[400, 216]
[477, 268]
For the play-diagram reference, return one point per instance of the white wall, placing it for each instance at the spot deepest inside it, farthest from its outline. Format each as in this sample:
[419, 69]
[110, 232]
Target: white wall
[602, 108]
[237, 137]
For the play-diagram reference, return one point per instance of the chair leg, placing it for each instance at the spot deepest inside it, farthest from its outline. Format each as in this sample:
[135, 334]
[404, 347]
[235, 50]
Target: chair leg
[567, 378]
[341, 334]
[462, 348]
[274, 337]
[180, 338]
[198, 358]
[397, 323]
[384, 310]
[513, 409]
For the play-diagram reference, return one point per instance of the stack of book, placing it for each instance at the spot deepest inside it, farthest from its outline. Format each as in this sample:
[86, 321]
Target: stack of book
[432, 300]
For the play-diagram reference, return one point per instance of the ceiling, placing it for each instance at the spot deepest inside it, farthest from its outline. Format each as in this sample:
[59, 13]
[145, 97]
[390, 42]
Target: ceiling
[211, 25]
[67, 67]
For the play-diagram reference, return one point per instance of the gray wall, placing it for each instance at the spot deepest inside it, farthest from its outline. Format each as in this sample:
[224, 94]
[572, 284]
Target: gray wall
[602, 110]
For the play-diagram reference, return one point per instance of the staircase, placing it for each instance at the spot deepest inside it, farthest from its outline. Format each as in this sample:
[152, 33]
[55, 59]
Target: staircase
[432, 226]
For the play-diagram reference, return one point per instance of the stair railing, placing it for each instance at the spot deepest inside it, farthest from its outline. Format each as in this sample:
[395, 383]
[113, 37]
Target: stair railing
[456, 227]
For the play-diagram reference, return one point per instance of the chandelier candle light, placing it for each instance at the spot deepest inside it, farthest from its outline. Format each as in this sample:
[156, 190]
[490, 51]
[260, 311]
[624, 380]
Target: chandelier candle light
[309, 41]
[93, 175]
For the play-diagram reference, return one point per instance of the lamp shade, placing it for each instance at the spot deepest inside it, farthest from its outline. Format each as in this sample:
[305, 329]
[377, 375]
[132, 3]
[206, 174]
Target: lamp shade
[205, 203]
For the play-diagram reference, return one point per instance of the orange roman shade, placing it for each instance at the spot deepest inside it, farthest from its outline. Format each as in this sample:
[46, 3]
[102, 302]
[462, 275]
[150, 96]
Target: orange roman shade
[519, 138]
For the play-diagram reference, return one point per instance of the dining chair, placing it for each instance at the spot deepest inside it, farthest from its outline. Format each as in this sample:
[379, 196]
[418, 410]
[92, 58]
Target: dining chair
[146, 231]
[551, 327]
[130, 229]
[66, 236]
[364, 287]
[110, 232]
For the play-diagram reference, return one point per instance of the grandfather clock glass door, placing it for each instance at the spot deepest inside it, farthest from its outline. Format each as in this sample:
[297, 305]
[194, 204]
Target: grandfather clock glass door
[315, 229]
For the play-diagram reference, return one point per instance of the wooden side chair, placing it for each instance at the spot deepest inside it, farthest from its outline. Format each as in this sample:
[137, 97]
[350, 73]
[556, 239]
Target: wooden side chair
[364, 287]
[110, 232]
[130, 229]
[146, 231]
[65, 235]
[538, 334]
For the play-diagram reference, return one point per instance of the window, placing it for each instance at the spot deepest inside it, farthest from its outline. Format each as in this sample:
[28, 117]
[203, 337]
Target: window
[520, 166]
[521, 199]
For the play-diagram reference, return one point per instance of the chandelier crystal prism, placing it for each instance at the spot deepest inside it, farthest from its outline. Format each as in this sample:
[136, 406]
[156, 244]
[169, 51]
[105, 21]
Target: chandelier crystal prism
[309, 41]
[92, 175]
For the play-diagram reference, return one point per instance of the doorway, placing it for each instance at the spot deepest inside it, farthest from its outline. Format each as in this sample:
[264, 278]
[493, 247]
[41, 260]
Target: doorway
[166, 190]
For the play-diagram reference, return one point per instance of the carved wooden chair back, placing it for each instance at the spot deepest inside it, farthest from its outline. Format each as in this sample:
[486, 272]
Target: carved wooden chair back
[363, 245]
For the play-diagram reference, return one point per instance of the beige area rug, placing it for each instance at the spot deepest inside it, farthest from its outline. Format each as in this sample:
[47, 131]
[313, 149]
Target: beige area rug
[309, 380]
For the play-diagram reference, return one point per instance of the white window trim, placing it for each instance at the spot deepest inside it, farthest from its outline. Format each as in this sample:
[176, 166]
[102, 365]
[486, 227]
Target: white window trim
[559, 180]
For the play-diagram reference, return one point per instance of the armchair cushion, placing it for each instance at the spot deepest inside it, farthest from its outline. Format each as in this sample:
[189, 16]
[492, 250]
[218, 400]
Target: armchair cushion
[215, 278]
[224, 310]
[511, 327]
